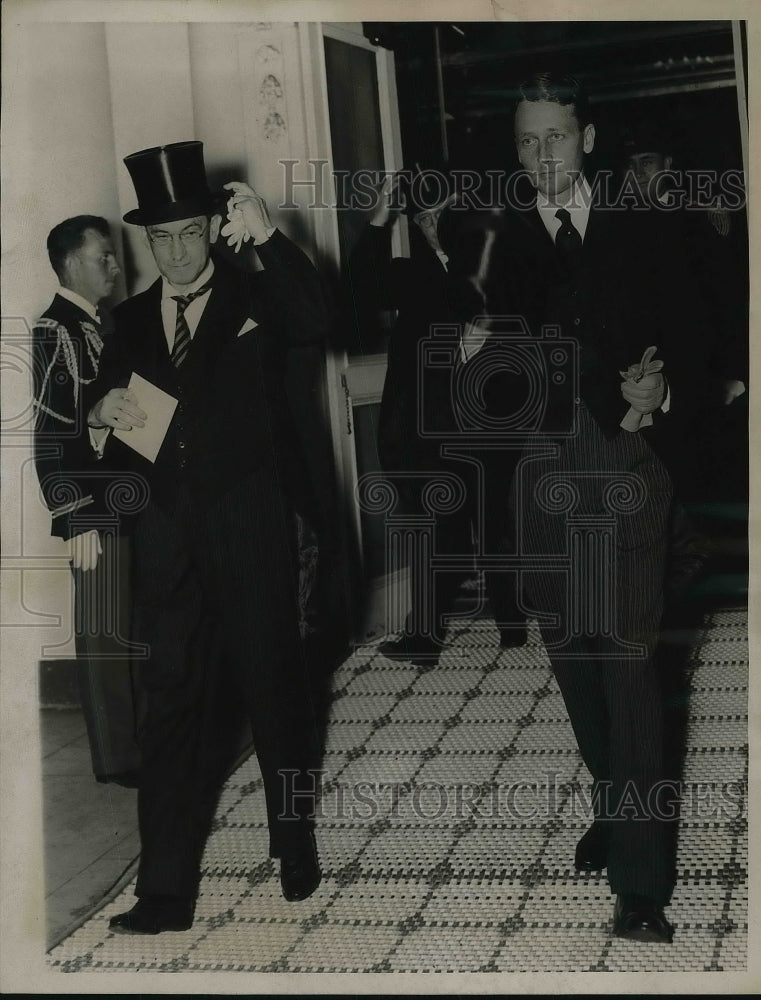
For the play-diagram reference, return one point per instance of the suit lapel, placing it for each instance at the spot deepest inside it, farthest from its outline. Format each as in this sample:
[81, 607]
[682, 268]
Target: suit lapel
[597, 236]
[537, 231]
[153, 331]
[225, 313]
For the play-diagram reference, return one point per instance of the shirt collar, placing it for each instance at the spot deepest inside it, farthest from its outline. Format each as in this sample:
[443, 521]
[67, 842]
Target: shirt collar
[168, 290]
[577, 200]
[84, 304]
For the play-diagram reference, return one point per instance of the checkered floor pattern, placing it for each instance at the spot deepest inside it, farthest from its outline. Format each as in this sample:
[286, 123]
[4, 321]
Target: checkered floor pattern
[452, 801]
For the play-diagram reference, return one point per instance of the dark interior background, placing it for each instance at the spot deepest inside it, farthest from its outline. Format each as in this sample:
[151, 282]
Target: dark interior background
[680, 73]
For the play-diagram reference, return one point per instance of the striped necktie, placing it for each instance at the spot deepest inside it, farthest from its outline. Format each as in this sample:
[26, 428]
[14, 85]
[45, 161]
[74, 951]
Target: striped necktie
[181, 328]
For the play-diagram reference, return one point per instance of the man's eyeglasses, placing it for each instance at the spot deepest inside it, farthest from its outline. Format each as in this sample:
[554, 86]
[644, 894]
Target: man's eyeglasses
[188, 236]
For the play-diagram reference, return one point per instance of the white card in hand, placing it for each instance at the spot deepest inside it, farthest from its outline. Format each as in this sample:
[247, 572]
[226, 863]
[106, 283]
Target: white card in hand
[159, 407]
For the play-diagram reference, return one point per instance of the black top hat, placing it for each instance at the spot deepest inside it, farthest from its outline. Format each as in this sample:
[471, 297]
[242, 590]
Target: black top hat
[170, 183]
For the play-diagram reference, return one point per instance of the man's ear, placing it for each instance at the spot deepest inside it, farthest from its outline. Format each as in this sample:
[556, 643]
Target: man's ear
[589, 138]
[215, 224]
[69, 268]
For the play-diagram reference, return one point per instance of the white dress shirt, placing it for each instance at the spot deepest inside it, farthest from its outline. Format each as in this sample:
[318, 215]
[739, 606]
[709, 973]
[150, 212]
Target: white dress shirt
[194, 310]
[577, 200]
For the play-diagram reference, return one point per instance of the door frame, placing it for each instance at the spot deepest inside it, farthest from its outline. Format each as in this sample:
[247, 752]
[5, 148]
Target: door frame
[351, 381]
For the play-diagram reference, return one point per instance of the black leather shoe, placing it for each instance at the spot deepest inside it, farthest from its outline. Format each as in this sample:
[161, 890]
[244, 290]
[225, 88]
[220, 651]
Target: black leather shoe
[509, 638]
[592, 850]
[300, 871]
[154, 914]
[414, 649]
[640, 918]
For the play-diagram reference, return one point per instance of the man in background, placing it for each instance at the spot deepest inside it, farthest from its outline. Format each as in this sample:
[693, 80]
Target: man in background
[418, 418]
[68, 340]
[713, 241]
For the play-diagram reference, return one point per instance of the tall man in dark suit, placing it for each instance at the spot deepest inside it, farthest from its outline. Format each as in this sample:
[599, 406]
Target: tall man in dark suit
[215, 550]
[594, 480]
[67, 342]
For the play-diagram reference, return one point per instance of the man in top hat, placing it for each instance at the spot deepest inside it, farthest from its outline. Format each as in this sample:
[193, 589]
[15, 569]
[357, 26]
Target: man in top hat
[215, 550]
[420, 289]
[68, 340]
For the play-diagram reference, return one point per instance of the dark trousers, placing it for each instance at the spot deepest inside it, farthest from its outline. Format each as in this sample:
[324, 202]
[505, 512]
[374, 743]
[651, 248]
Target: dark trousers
[483, 518]
[107, 666]
[216, 599]
[613, 699]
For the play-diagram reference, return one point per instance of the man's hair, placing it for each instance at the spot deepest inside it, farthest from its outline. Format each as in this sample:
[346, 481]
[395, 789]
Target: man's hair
[560, 89]
[69, 235]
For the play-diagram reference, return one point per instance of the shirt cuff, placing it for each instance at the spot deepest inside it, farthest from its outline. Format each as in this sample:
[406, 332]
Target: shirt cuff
[666, 404]
[270, 230]
[98, 445]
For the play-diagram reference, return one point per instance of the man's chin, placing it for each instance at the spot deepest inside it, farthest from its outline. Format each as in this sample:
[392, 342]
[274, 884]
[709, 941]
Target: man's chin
[184, 274]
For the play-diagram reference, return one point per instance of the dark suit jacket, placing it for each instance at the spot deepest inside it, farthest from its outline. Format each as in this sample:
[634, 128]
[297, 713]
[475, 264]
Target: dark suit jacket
[718, 260]
[66, 348]
[416, 287]
[634, 290]
[232, 417]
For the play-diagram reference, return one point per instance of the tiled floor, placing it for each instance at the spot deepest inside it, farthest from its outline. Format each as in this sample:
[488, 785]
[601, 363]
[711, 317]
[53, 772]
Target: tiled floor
[90, 829]
[451, 804]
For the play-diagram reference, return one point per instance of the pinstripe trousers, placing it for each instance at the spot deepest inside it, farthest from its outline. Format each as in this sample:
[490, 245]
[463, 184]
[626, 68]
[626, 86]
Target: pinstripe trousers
[601, 635]
[216, 600]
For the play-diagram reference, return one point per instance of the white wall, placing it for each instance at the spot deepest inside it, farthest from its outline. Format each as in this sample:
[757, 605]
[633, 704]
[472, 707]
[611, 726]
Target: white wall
[234, 94]
[58, 161]
[59, 157]
[151, 105]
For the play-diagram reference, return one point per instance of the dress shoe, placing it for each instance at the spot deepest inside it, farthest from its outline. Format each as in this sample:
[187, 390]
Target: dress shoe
[300, 871]
[154, 914]
[127, 779]
[509, 638]
[412, 648]
[592, 850]
[640, 918]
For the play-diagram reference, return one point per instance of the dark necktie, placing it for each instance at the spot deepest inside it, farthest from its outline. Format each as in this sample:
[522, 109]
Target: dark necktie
[181, 328]
[568, 240]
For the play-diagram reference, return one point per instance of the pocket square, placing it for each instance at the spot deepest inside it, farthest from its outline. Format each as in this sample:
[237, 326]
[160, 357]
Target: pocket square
[250, 324]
